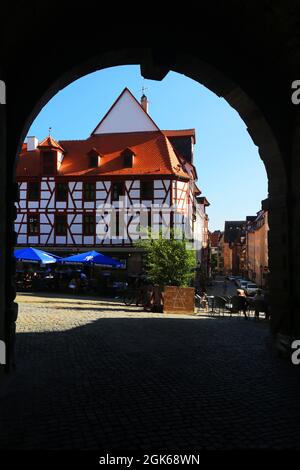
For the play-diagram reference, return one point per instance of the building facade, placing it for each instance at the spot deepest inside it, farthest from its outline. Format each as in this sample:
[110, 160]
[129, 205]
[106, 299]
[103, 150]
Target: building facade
[257, 248]
[102, 192]
[215, 251]
[234, 248]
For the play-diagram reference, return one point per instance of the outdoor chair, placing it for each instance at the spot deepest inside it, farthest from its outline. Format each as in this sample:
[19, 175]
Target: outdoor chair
[219, 305]
[227, 304]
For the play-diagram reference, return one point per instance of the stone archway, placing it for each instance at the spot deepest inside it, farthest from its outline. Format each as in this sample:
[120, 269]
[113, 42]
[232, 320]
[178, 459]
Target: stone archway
[155, 63]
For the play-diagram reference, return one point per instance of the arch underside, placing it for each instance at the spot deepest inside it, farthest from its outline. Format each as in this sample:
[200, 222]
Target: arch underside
[155, 64]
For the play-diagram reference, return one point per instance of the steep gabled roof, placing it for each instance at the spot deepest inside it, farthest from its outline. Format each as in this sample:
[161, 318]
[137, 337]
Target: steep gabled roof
[125, 115]
[49, 142]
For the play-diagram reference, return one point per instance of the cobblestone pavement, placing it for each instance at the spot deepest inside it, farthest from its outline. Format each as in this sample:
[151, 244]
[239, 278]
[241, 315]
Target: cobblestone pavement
[91, 375]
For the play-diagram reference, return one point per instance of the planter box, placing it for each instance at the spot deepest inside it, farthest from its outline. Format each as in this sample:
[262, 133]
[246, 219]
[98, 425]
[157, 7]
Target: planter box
[179, 299]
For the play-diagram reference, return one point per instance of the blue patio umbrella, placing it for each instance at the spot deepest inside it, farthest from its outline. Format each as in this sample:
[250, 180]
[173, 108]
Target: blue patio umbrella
[91, 257]
[33, 255]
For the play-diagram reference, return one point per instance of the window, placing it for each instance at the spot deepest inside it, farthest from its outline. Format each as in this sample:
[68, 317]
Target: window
[33, 224]
[128, 158]
[94, 158]
[49, 163]
[61, 191]
[89, 224]
[33, 191]
[147, 190]
[89, 191]
[118, 189]
[60, 224]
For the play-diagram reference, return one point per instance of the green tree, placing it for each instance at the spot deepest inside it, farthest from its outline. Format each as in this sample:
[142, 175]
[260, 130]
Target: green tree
[168, 261]
[214, 262]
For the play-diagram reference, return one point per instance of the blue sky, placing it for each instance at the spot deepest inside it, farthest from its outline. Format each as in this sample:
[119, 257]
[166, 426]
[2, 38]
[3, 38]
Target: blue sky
[230, 172]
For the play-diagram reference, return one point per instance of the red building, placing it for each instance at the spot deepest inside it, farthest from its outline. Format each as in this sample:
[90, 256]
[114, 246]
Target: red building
[127, 160]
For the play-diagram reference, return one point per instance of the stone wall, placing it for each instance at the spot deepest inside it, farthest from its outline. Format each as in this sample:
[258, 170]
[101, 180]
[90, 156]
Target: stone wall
[253, 72]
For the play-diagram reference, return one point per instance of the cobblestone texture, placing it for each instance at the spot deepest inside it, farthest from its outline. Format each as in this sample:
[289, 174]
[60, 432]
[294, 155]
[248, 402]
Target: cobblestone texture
[91, 375]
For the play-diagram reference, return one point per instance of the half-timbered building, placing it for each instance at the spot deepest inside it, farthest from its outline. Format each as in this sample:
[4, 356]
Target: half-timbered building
[67, 188]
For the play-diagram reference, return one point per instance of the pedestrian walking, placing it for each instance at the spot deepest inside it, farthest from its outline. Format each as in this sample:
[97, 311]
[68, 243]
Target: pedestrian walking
[243, 304]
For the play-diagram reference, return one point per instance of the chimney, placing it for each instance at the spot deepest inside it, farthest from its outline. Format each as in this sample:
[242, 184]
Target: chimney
[144, 103]
[32, 143]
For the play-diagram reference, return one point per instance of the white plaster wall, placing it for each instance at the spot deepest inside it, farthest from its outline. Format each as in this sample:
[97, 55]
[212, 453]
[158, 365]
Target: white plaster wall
[51, 237]
[69, 239]
[88, 240]
[134, 193]
[51, 202]
[89, 205]
[23, 228]
[77, 195]
[99, 185]
[33, 204]
[61, 240]
[78, 219]
[101, 194]
[126, 116]
[45, 228]
[76, 228]
[78, 239]
[159, 193]
[70, 202]
[33, 240]
[78, 204]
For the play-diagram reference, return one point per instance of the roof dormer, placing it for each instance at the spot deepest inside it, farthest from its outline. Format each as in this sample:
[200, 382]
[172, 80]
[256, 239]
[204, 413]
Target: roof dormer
[128, 157]
[94, 158]
[51, 156]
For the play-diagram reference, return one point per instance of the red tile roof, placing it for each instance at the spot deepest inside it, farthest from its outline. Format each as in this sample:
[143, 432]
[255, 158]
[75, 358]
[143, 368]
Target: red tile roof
[215, 237]
[181, 133]
[154, 155]
[49, 142]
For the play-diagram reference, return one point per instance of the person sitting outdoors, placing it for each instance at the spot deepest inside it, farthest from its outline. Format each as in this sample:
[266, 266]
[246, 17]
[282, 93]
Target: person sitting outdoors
[204, 299]
[73, 285]
[83, 281]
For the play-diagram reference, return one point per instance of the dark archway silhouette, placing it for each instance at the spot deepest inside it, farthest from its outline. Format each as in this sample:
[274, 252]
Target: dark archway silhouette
[255, 80]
